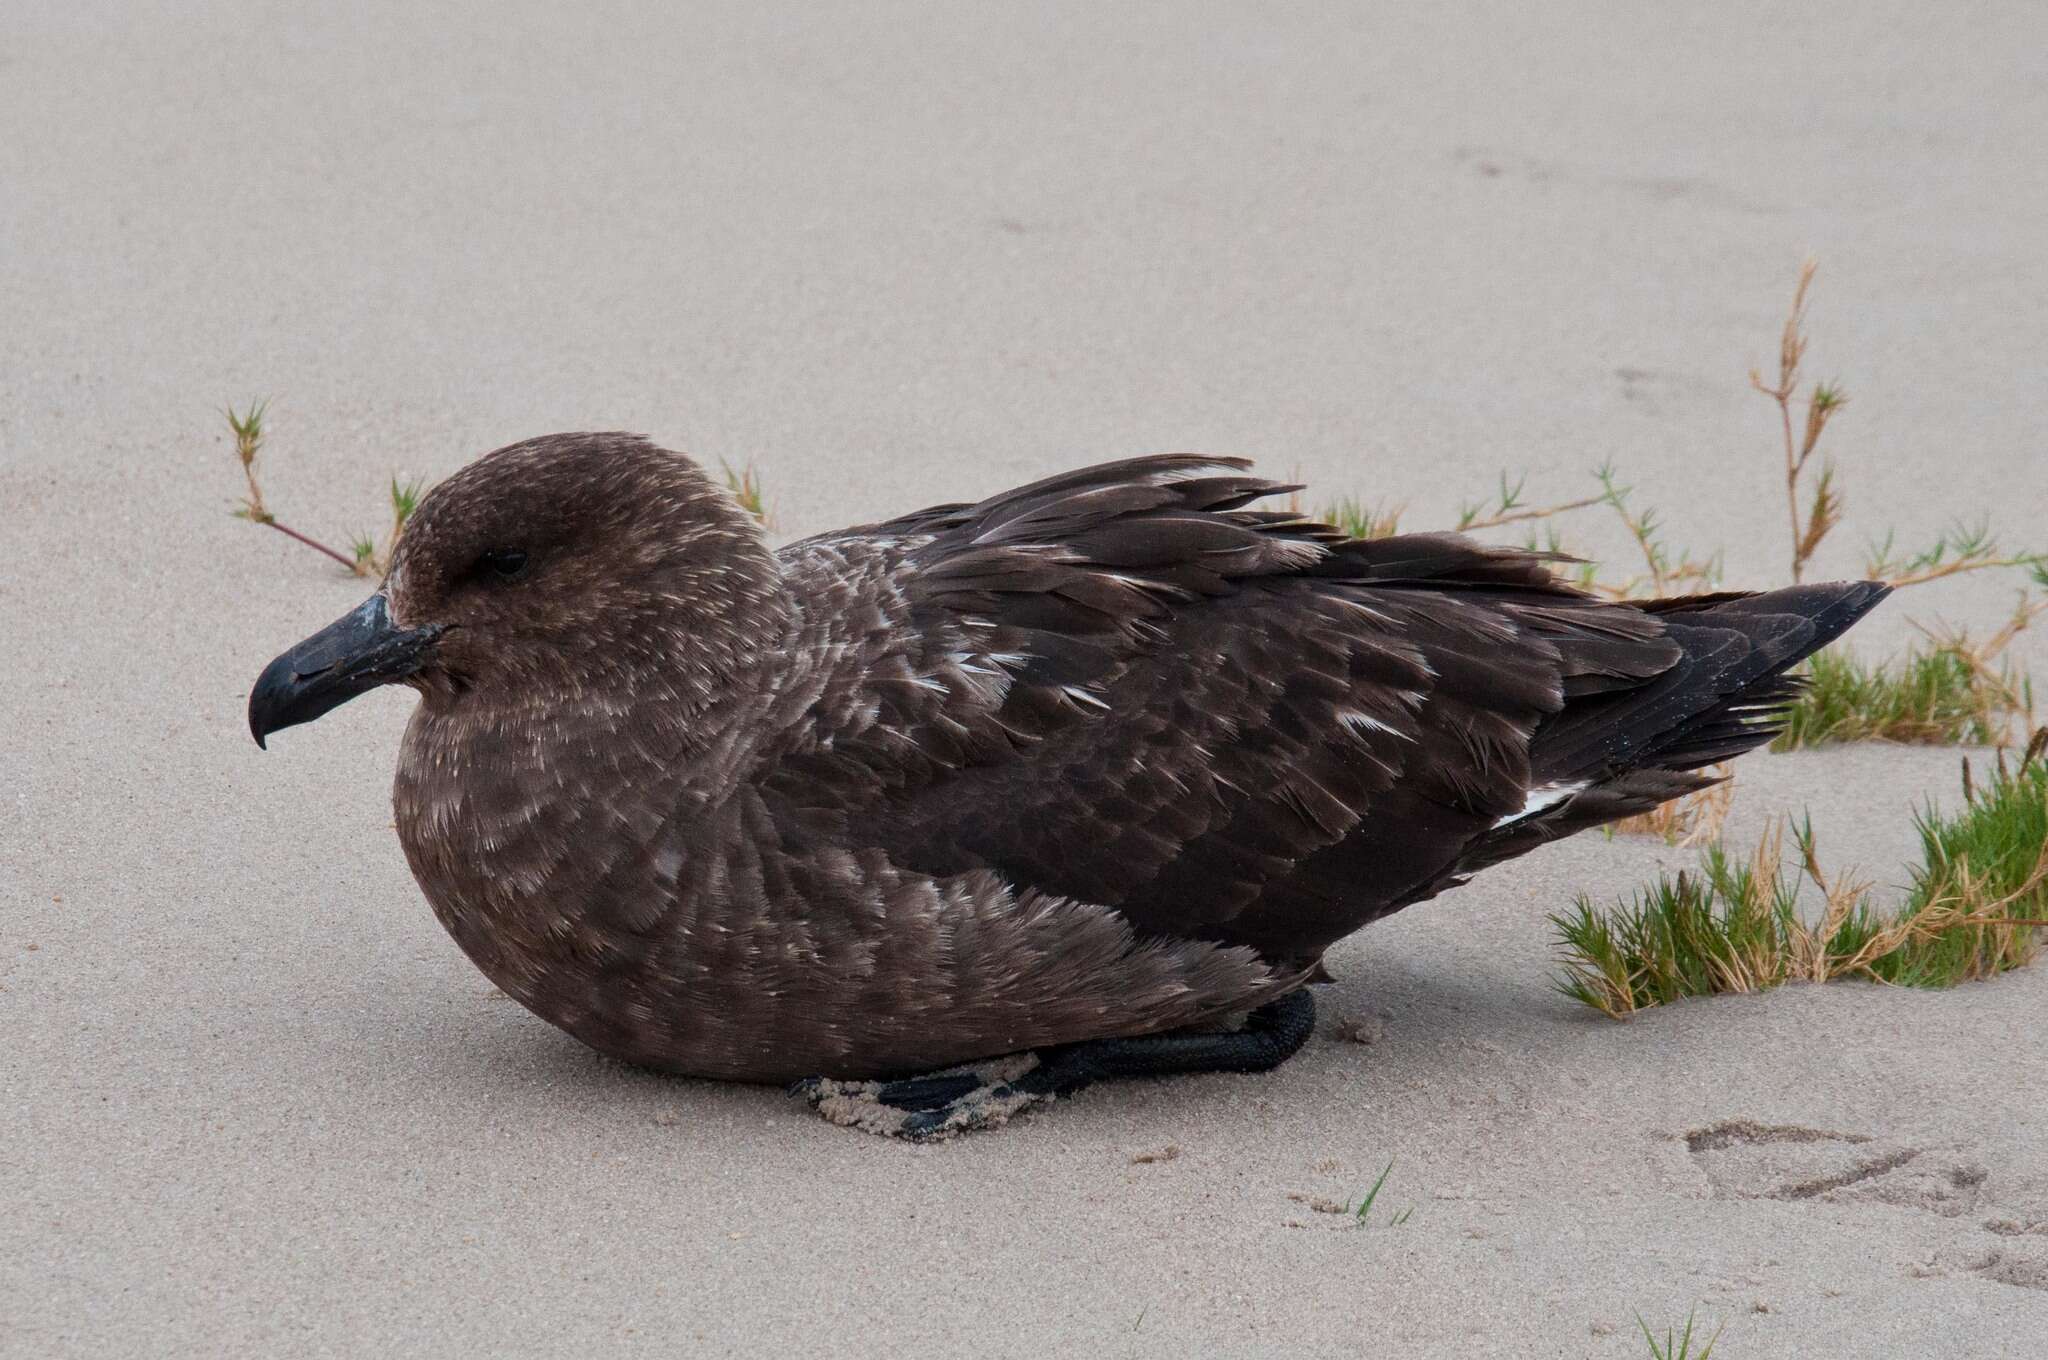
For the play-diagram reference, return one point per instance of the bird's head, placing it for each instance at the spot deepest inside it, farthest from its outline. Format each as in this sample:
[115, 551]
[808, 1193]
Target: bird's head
[575, 567]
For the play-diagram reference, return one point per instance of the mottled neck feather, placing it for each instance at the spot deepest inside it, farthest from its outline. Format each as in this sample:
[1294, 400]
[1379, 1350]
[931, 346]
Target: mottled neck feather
[533, 808]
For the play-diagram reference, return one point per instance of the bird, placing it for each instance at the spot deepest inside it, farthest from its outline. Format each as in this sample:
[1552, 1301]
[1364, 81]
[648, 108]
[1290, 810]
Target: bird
[937, 819]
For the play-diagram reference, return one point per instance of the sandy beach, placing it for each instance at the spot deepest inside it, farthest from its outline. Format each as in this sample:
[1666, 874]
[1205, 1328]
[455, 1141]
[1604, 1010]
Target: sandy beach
[255, 1102]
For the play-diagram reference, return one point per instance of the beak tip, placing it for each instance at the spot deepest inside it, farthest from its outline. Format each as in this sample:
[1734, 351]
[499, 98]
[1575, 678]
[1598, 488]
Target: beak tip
[271, 689]
[356, 652]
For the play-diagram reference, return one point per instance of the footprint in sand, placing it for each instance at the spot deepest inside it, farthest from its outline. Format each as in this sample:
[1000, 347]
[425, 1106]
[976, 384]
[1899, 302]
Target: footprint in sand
[2022, 1258]
[1743, 1159]
[1746, 1160]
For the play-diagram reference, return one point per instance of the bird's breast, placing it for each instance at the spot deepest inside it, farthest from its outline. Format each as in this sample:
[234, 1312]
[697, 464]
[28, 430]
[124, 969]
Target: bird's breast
[535, 852]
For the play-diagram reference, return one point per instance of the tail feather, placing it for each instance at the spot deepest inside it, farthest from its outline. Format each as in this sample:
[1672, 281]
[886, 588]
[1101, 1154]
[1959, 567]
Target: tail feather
[1782, 628]
[1726, 694]
[1739, 723]
[1722, 695]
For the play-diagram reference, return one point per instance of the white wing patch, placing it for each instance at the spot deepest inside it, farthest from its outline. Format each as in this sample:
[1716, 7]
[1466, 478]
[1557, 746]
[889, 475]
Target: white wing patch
[1543, 797]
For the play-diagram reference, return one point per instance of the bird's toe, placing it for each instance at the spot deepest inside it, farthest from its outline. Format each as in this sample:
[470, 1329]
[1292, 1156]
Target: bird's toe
[928, 1108]
[984, 1107]
[928, 1093]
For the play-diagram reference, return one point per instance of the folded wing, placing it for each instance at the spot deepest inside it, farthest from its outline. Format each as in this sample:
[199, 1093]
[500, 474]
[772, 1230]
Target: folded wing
[1126, 685]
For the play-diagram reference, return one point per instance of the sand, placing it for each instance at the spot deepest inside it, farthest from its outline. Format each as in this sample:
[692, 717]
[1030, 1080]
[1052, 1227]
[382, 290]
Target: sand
[255, 1103]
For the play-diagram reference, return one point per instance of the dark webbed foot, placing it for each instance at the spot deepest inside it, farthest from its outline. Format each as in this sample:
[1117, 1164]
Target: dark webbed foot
[945, 1104]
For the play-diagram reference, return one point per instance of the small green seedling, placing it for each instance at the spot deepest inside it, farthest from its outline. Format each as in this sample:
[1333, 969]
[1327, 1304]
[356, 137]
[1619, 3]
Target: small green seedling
[365, 557]
[1364, 1209]
[1667, 572]
[745, 486]
[1678, 1346]
[1508, 507]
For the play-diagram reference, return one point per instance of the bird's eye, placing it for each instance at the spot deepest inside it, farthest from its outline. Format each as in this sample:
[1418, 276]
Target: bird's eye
[507, 564]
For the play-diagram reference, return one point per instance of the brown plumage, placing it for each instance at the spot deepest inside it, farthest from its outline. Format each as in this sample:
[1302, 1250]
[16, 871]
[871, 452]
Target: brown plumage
[1113, 754]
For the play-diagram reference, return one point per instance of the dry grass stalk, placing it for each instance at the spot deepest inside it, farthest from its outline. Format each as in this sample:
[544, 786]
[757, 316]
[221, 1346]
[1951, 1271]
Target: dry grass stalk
[1807, 946]
[1665, 574]
[1802, 437]
[1964, 906]
[1960, 692]
[1523, 516]
[1508, 508]
[1688, 822]
[2003, 694]
[1959, 549]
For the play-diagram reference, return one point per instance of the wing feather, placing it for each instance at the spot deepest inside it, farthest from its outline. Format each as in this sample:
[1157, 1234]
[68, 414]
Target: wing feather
[1230, 723]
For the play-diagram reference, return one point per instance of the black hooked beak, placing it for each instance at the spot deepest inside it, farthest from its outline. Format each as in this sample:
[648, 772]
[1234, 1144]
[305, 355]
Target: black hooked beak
[358, 651]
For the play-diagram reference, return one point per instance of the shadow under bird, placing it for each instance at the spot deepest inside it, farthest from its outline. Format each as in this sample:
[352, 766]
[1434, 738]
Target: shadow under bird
[1084, 777]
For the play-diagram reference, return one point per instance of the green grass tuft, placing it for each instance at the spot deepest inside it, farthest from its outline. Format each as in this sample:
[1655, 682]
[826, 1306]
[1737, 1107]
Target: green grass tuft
[1724, 929]
[405, 499]
[1993, 853]
[1977, 899]
[1931, 698]
[1363, 519]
